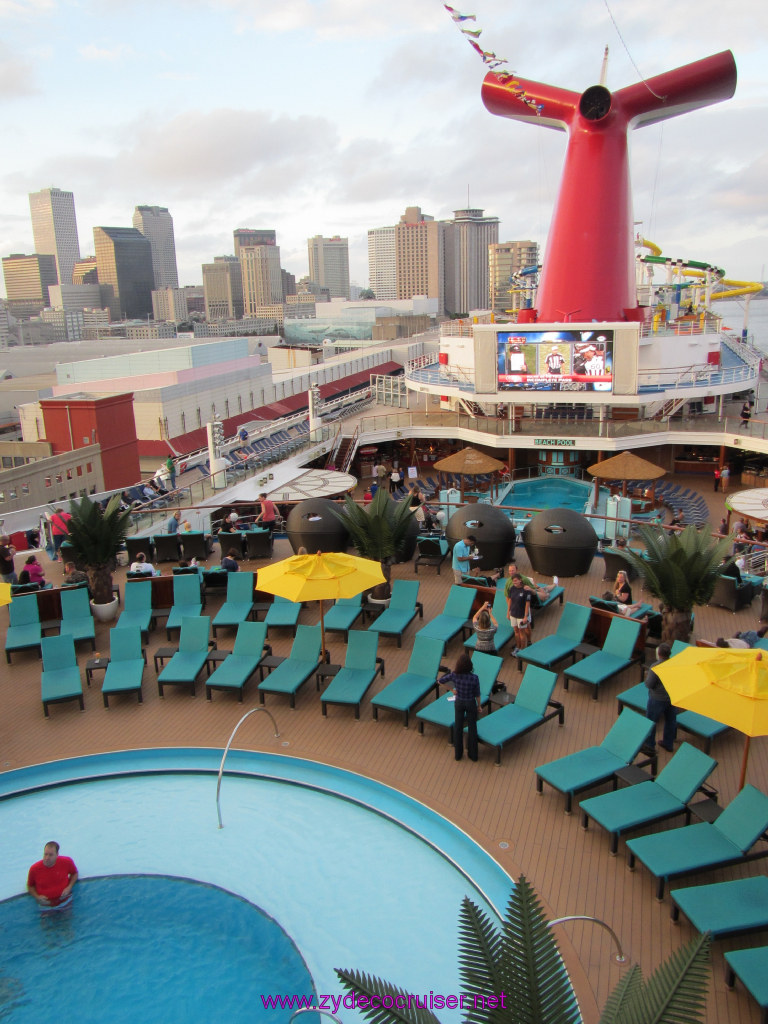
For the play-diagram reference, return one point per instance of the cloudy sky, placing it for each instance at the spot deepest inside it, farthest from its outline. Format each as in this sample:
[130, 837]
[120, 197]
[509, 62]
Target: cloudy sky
[331, 116]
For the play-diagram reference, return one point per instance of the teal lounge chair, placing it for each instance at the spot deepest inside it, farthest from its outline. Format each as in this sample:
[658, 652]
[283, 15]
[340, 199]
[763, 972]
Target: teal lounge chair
[655, 800]
[343, 614]
[441, 711]
[617, 654]
[750, 966]
[127, 661]
[569, 634]
[284, 614]
[700, 847]
[187, 664]
[352, 682]
[689, 721]
[137, 610]
[593, 765]
[24, 631]
[528, 711]
[724, 908]
[403, 606]
[238, 605]
[187, 602]
[247, 654]
[60, 680]
[454, 616]
[431, 551]
[76, 616]
[410, 688]
[291, 674]
[504, 632]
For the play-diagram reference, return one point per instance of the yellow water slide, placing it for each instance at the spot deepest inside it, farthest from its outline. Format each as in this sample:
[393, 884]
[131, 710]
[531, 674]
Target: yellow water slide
[694, 268]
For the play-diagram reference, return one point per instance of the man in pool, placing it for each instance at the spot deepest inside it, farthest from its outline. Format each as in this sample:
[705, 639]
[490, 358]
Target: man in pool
[52, 879]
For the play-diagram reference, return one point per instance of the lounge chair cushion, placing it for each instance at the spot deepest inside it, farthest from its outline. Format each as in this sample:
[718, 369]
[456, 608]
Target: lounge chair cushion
[726, 908]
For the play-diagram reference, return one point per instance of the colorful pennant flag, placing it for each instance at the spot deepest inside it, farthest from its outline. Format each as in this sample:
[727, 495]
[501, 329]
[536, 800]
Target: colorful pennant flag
[489, 58]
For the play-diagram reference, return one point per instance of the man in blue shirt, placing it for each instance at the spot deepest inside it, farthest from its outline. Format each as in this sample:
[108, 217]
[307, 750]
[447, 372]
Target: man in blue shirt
[460, 560]
[172, 526]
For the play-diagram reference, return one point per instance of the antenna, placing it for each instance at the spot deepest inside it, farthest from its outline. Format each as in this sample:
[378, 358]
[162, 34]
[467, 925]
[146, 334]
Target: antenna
[604, 68]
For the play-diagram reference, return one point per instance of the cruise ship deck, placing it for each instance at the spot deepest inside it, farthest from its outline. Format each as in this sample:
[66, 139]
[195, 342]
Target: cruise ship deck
[498, 806]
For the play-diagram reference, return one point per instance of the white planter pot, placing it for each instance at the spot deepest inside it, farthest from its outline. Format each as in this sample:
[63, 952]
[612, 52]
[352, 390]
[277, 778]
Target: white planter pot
[105, 612]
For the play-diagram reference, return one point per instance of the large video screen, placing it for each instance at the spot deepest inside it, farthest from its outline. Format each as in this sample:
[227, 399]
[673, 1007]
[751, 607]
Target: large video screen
[555, 360]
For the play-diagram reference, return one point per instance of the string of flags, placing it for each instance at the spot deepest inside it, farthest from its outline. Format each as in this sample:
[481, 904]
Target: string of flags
[491, 59]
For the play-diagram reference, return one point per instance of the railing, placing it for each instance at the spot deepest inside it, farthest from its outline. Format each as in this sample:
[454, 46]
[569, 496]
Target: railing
[248, 714]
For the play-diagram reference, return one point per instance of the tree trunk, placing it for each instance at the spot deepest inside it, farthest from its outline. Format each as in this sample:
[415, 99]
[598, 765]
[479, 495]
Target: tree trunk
[100, 579]
[675, 625]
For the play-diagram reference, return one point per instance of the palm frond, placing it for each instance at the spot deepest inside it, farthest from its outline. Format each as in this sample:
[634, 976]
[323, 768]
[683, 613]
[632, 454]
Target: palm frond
[535, 980]
[623, 997]
[367, 989]
[480, 959]
[677, 990]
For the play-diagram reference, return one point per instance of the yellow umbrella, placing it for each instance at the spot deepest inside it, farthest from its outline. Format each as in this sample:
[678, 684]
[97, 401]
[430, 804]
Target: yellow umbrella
[320, 577]
[5, 594]
[723, 683]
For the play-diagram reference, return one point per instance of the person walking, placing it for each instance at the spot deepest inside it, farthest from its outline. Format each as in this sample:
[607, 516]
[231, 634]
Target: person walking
[725, 476]
[717, 478]
[465, 686]
[59, 521]
[170, 466]
[394, 481]
[659, 705]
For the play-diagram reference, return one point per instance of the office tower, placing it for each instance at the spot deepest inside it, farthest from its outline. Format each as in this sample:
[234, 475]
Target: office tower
[382, 267]
[85, 271]
[194, 296]
[419, 257]
[505, 261]
[72, 298]
[54, 228]
[156, 224]
[223, 289]
[262, 280]
[169, 304]
[124, 263]
[467, 238]
[329, 264]
[27, 279]
[252, 236]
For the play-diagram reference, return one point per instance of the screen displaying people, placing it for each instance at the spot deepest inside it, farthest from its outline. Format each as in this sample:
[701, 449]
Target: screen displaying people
[555, 360]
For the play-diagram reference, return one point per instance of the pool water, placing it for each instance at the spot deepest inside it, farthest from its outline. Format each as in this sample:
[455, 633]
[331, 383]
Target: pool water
[354, 874]
[548, 492]
[149, 949]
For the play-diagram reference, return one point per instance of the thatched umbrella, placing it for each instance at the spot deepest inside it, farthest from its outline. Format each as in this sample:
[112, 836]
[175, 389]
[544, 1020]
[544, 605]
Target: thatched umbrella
[468, 462]
[626, 466]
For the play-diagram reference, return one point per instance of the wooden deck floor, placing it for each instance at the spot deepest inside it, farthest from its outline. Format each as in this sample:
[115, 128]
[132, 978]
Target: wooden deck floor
[572, 869]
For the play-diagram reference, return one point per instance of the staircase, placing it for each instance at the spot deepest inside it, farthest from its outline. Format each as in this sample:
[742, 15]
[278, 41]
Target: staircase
[471, 408]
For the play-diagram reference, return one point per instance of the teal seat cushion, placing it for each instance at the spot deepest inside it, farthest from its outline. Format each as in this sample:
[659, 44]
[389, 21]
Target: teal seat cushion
[579, 770]
[725, 908]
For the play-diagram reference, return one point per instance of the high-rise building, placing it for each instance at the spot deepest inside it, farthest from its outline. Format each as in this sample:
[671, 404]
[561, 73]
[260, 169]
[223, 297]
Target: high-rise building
[467, 238]
[329, 264]
[124, 263]
[27, 279]
[54, 227]
[262, 280]
[85, 271]
[223, 289]
[252, 236]
[382, 266]
[169, 304]
[156, 224]
[419, 257]
[506, 260]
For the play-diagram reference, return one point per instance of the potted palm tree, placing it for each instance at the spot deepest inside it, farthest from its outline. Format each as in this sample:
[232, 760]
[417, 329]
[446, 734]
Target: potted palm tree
[681, 570]
[378, 531]
[517, 971]
[95, 537]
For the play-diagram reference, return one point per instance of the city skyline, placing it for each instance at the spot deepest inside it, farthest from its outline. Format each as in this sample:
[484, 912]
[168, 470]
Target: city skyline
[323, 117]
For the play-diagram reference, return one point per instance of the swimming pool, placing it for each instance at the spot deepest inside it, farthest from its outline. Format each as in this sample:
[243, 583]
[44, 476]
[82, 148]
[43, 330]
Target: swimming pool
[355, 873]
[548, 492]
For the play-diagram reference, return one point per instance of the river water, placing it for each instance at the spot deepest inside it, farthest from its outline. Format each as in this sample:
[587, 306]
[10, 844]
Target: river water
[732, 312]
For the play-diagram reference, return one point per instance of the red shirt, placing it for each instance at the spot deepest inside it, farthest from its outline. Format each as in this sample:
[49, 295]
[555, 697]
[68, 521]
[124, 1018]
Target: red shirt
[267, 511]
[60, 523]
[51, 882]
